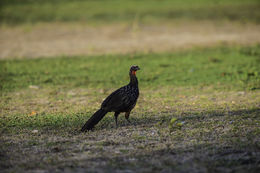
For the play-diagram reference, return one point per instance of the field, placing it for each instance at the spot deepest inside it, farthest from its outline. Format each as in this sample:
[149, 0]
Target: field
[106, 11]
[199, 104]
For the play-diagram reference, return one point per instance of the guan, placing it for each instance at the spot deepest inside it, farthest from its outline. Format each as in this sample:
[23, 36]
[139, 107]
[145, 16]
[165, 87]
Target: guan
[121, 100]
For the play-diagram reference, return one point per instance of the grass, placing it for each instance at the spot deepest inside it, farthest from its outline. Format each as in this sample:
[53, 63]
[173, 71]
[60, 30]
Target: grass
[212, 93]
[200, 67]
[113, 11]
[52, 81]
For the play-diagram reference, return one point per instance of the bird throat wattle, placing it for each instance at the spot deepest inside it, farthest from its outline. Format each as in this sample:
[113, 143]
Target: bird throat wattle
[133, 72]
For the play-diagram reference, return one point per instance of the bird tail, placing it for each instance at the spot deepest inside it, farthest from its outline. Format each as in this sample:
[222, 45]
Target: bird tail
[94, 119]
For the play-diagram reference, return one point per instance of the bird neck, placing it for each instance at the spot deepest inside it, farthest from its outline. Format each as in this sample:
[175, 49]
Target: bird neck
[133, 80]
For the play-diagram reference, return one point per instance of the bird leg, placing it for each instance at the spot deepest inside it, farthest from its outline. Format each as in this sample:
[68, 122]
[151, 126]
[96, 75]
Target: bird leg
[127, 116]
[116, 115]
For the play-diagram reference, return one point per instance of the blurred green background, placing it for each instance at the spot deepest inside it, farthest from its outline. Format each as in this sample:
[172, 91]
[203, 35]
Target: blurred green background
[107, 11]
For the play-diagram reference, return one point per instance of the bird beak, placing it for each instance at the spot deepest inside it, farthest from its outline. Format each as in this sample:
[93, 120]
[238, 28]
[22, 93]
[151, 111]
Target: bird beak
[138, 68]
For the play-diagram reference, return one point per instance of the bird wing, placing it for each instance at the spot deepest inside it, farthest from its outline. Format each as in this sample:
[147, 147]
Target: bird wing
[118, 100]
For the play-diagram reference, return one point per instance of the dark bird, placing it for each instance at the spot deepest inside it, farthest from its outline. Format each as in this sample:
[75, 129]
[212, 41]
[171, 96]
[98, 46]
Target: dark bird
[121, 100]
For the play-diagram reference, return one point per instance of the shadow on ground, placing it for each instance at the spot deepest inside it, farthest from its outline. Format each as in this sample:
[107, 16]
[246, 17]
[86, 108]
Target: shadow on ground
[209, 141]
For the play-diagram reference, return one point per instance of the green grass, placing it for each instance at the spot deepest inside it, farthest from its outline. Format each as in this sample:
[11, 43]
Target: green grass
[213, 93]
[110, 11]
[236, 68]
[60, 80]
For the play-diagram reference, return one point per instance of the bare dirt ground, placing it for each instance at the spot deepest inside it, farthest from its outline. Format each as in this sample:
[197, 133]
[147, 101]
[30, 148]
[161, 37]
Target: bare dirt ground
[49, 40]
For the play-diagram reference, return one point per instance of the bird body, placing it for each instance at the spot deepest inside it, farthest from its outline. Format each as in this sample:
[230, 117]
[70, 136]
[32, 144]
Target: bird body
[122, 100]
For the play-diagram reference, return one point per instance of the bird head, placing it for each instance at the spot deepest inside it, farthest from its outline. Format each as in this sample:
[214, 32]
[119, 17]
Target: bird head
[133, 69]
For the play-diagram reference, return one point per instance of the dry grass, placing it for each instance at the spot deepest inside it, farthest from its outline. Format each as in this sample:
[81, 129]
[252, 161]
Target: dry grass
[76, 39]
